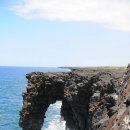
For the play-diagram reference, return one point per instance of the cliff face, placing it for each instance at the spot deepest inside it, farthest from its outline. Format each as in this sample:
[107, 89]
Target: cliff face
[91, 99]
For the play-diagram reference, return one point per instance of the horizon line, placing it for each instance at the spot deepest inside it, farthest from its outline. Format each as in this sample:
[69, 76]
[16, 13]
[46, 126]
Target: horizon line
[63, 66]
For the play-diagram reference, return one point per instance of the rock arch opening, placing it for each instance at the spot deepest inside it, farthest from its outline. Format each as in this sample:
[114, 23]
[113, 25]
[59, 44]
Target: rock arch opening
[46, 88]
[42, 90]
[53, 119]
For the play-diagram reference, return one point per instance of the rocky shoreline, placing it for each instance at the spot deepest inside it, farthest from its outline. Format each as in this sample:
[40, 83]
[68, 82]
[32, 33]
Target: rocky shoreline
[92, 99]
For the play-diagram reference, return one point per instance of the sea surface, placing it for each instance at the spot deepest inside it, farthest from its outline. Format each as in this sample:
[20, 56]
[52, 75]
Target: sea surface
[12, 84]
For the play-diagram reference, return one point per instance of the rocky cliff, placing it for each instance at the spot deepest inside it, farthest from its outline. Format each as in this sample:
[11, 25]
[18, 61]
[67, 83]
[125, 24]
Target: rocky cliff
[91, 99]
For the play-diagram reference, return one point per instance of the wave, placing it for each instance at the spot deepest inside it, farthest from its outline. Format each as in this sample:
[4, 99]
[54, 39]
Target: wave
[53, 119]
[56, 125]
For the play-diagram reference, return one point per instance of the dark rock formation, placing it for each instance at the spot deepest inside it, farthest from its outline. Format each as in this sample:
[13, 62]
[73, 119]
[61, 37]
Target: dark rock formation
[91, 99]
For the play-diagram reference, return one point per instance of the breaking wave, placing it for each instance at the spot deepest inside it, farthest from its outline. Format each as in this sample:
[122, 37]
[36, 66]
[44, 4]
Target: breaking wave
[53, 119]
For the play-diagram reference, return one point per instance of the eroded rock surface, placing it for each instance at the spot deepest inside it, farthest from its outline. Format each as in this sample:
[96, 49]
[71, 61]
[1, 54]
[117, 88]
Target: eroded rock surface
[91, 99]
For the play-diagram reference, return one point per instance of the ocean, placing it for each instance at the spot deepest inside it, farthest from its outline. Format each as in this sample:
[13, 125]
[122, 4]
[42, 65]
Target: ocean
[12, 84]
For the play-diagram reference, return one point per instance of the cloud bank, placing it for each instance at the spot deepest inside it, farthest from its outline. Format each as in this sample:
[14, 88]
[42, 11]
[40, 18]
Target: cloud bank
[114, 14]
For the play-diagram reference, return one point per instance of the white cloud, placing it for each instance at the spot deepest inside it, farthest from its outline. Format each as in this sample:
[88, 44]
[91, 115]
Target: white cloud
[112, 13]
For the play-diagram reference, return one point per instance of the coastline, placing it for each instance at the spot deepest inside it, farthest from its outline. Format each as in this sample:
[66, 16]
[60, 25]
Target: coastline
[83, 91]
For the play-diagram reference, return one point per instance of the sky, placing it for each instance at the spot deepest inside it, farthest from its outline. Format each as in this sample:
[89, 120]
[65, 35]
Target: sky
[53, 33]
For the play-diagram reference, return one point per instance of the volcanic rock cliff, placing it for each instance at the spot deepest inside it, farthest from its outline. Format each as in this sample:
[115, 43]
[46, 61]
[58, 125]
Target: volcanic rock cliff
[91, 99]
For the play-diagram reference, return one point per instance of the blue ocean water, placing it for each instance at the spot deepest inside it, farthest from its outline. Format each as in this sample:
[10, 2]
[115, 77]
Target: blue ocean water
[12, 84]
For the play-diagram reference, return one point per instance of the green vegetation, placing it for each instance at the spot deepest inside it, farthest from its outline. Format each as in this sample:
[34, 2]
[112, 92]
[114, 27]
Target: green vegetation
[110, 68]
[98, 68]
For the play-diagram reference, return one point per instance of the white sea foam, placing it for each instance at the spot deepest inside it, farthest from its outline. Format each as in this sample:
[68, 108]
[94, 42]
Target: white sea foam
[52, 120]
[56, 125]
[57, 105]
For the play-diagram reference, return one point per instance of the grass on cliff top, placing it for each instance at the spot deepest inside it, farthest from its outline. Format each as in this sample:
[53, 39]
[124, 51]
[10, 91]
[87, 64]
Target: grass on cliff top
[110, 68]
[99, 67]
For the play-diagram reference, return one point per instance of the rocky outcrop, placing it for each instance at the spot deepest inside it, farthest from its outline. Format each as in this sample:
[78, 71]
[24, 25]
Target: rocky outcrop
[91, 99]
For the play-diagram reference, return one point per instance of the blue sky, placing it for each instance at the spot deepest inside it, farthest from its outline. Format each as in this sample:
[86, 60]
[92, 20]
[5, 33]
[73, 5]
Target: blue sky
[50, 33]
